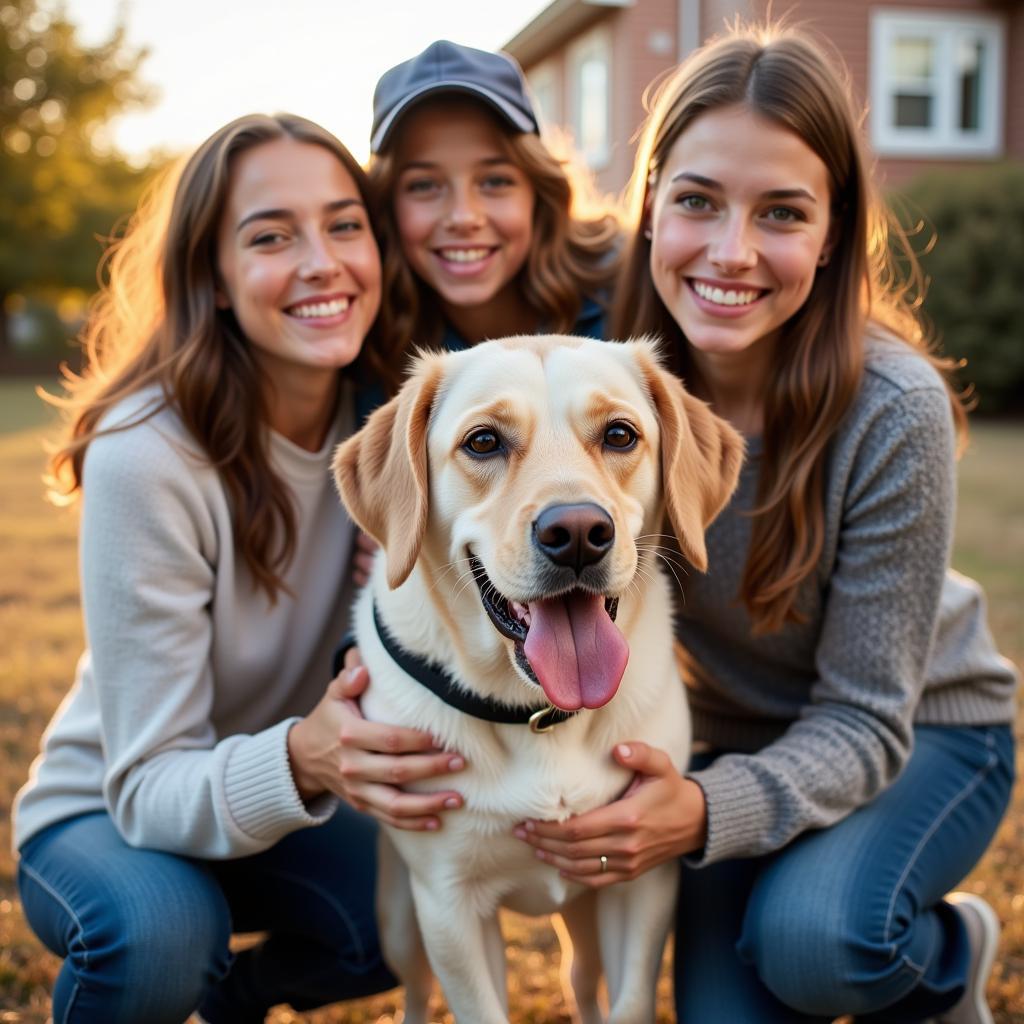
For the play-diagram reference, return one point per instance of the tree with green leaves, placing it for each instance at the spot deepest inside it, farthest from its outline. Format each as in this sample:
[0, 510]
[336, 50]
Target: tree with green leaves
[64, 184]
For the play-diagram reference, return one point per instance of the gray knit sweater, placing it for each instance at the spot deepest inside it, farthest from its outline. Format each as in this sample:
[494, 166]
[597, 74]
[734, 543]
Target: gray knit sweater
[818, 717]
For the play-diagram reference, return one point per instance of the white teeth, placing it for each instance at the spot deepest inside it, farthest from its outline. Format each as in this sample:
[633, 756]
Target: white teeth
[464, 255]
[521, 612]
[316, 310]
[722, 297]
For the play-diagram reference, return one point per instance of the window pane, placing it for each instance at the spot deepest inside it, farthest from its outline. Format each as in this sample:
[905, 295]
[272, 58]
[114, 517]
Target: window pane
[912, 111]
[970, 61]
[593, 126]
[912, 57]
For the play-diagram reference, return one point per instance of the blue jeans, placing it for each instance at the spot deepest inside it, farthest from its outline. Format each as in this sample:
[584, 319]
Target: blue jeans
[144, 934]
[849, 919]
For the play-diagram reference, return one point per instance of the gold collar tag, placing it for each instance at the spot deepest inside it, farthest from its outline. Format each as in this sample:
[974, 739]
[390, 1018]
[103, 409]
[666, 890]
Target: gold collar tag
[540, 721]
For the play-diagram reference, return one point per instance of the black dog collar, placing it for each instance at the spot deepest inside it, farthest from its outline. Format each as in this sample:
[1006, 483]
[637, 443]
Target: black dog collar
[437, 680]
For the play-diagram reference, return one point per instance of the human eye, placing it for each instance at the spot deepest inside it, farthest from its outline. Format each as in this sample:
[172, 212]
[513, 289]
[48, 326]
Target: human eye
[346, 225]
[784, 215]
[267, 238]
[497, 182]
[693, 202]
[421, 186]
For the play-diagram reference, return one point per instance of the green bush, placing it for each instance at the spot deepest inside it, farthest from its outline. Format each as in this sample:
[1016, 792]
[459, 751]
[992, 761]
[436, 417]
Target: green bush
[975, 273]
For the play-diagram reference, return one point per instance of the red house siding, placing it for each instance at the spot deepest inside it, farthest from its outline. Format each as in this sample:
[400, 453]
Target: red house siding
[845, 23]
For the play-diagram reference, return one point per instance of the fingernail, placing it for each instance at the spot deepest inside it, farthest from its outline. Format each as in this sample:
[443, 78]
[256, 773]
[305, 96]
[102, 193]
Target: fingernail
[529, 826]
[452, 802]
[519, 833]
[540, 855]
[456, 764]
[432, 825]
[624, 751]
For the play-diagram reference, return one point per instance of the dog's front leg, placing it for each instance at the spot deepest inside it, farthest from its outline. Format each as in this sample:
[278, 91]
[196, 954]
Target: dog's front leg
[464, 950]
[633, 920]
[576, 927]
[399, 931]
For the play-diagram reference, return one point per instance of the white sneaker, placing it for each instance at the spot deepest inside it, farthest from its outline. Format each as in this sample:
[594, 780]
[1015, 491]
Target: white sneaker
[983, 937]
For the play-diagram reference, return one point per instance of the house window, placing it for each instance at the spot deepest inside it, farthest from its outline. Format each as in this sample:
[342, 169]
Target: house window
[543, 82]
[590, 61]
[937, 84]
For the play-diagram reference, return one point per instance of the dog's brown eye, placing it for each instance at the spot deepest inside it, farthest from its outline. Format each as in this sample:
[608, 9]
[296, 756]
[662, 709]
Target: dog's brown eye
[620, 435]
[482, 442]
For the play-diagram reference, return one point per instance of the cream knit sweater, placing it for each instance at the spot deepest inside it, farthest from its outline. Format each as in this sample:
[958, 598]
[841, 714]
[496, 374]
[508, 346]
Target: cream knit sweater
[178, 717]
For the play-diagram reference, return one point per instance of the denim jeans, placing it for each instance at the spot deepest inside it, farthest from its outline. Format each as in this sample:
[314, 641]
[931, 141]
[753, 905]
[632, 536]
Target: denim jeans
[849, 919]
[144, 934]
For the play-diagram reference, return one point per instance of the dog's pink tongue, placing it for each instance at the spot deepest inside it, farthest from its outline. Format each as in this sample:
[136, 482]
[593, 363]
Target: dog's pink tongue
[575, 650]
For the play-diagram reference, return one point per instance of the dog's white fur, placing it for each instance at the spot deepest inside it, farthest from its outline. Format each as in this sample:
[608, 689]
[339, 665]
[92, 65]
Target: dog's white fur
[409, 482]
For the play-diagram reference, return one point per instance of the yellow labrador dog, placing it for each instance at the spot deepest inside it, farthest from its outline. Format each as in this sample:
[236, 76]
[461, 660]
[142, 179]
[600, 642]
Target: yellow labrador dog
[518, 491]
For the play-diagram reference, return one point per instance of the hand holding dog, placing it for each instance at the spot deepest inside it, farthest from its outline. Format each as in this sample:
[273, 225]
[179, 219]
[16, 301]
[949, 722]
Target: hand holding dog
[363, 554]
[334, 749]
[660, 816]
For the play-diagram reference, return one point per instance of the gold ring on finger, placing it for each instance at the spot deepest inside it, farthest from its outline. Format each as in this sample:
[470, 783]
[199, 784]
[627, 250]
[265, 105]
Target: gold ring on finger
[604, 863]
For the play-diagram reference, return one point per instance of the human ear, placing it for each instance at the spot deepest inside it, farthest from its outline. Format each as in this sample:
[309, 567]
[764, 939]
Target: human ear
[831, 239]
[220, 296]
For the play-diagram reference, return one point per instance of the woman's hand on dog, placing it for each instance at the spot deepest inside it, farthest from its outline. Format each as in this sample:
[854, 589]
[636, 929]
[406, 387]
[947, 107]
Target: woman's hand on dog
[334, 749]
[660, 816]
[363, 557]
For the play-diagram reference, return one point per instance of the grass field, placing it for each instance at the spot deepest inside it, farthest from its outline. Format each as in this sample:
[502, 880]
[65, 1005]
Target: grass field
[41, 630]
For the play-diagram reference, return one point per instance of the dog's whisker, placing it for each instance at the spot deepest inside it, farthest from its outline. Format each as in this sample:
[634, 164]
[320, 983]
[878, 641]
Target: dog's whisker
[671, 568]
[471, 575]
[448, 567]
[659, 551]
[445, 570]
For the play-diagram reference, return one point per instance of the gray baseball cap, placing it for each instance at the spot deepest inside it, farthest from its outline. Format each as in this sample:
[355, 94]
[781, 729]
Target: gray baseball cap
[445, 67]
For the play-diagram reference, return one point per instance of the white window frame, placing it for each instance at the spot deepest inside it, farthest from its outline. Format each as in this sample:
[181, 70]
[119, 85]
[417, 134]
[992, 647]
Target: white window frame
[544, 82]
[595, 45]
[945, 138]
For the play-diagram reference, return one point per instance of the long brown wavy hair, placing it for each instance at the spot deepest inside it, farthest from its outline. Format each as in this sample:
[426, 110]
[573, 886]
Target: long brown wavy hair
[155, 322]
[789, 77]
[573, 254]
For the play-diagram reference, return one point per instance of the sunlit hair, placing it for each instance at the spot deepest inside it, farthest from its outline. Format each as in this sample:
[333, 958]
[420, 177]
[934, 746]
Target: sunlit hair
[155, 323]
[783, 74]
[572, 255]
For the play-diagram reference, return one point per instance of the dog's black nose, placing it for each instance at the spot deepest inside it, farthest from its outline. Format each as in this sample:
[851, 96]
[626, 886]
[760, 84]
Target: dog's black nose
[574, 535]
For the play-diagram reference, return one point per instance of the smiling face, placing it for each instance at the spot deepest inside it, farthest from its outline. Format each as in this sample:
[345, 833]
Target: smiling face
[740, 222]
[297, 261]
[463, 209]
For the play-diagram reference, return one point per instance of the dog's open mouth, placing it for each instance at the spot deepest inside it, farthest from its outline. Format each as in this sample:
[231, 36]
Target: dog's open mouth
[568, 644]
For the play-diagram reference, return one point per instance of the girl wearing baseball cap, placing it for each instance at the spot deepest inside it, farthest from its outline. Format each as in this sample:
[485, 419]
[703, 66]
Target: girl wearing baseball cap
[480, 223]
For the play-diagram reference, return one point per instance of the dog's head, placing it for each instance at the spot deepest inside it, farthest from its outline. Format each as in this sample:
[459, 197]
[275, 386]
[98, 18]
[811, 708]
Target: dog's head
[544, 466]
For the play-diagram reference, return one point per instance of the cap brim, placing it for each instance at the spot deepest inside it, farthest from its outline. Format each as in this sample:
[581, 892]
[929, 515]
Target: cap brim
[514, 116]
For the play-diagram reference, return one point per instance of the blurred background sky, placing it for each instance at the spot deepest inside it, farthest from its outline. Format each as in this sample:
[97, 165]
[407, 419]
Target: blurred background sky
[213, 60]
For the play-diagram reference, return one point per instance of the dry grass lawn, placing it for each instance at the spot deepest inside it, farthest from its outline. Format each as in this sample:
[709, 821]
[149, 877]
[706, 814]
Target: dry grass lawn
[41, 630]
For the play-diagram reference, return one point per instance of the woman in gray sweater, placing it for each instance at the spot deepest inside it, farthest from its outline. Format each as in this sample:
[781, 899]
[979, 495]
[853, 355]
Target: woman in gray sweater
[852, 715]
[187, 783]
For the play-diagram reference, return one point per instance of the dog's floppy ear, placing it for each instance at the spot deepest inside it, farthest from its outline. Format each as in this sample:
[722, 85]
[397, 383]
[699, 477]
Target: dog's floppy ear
[701, 456]
[382, 476]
